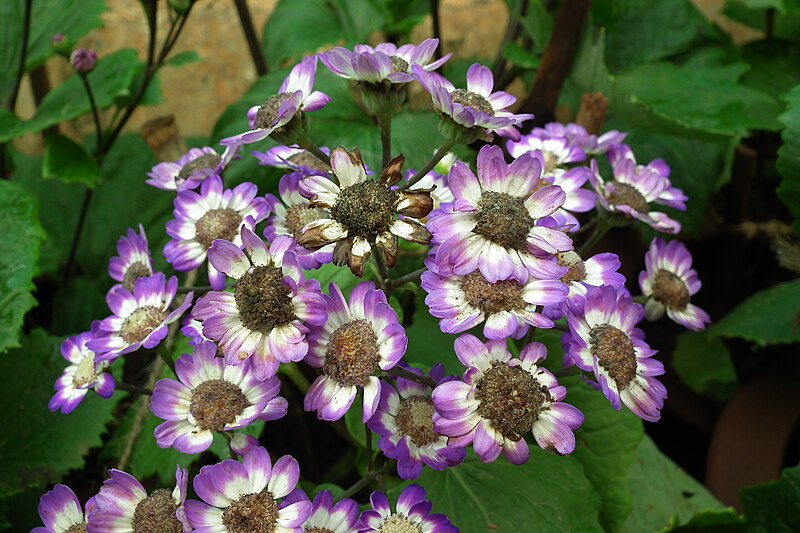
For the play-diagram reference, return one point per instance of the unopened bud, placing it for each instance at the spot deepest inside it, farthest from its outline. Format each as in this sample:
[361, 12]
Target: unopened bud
[180, 6]
[83, 60]
[61, 44]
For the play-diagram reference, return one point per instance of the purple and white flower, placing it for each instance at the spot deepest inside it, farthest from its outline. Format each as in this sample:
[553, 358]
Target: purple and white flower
[671, 196]
[360, 338]
[123, 506]
[253, 495]
[133, 261]
[556, 152]
[604, 340]
[669, 282]
[190, 169]
[82, 374]
[495, 224]
[213, 213]
[140, 318]
[61, 511]
[501, 399]
[577, 136]
[327, 517]
[413, 513]
[264, 321]
[281, 113]
[474, 113]
[294, 159]
[404, 421]
[600, 269]
[211, 396]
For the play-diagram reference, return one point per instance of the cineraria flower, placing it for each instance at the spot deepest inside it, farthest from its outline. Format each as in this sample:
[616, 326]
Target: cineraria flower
[123, 506]
[213, 213]
[600, 269]
[503, 398]
[192, 329]
[671, 196]
[190, 169]
[359, 339]
[140, 317]
[363, 212]
[211, 396]
[577, 200]
[494, 225]
[557, 152]
[245, 497]
[61, 511]
[577, 136]
[404, 420]
[82, 374]
[669, 282]
[133, 261]
[291, 218]
[473, 113]
[264, 319]
[508, 307]
[326, 517]
[604, 340]
[281, 115]
[294, 159]
[413, 514]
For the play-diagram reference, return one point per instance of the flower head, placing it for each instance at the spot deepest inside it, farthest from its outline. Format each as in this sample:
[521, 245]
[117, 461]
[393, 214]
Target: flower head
[669, 282]
[133, 261]
[501, 399]
[140, 317]
[265, 319]
[604, 340]
[363, 212]
[412, 514]
[600, 269]
[213, 213]
[248, 497]
[294, 159]
[61, 511]
[327, 517]
[210, 396]
[83, 60]
[189, 171]
[556, 152]
[82, 374]
[361, 337]
[577, 136]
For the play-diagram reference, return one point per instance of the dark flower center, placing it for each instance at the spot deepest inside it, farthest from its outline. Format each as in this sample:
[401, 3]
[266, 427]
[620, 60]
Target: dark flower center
[352, 354]
[267, 114]
[216, 403]
[205, 161]
[399, 64]
[550, 161]
[263, 299]
[503, 219]
[615, 353]
[76, 528]
[141, 323]
[85, 373]
[217, 224]
[297, 216]
[492, 298]
[252, 513]
[135, 271]
[156, 514]
[399, 524]
[318, 530]
[473, 100]
[576, 266]
[366, 209]
[670, 290]
[308, 160]
[415, 419]
[511, 399]
[624, 194]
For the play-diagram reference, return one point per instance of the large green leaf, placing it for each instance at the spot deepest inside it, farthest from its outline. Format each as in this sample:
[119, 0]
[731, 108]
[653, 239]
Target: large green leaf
[67, 161]
[548, 494]
[768, 317]
[789, 156]
[40, 447]
[22, 236]
[427, 344]
[774, 507]
[703, 363]
[663, 494]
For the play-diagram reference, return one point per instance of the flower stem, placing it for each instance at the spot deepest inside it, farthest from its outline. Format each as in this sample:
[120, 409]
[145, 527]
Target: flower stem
[366, 480]
[440, 153]
[599, 231]
[306, 144]
[437, 27]
[292, 372]
[385, 124]
[88, 86]
[408, 278]
[400, 372]
[384, 280]
[250, 35]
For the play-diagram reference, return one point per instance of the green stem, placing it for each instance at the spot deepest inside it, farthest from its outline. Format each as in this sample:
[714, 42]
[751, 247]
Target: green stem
[163, 353]
[315, 150]
[385, 124]
[95, 114]
[399, 372]
[411, 277]
[292, 372]
[440, 153]
[384, 280]
[366, 480]
[600, 230]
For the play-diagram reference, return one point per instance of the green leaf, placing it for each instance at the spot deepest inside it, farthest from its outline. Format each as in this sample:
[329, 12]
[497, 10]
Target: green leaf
[183, 58]
[606, 447]
[300, 27]
[67, 161]
[767, 317]
[774, 507]
[703, 363]
[40, 447]
[22, 235]
[725, 521]
[427, 344]
[663, 494]
[517, 55]
[537, 22]
[789, 156]
[547, 494]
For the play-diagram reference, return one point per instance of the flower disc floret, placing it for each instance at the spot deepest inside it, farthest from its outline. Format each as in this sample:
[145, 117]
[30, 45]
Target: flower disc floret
[83, 373]
[412, 514]
[189, 171]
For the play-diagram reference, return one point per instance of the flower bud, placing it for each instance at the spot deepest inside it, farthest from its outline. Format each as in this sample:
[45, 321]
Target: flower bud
[83, 60]
[61, 44]
[180, 6]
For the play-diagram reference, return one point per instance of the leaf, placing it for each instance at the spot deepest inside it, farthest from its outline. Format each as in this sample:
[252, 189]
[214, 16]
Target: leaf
[183, 58]
[768, 317]
[67, 161]
[547, 494]
[663, 494]
[39, 447]
[789, 156]
[773, 507]
[427, 344]
[704, 364]
[520, 57]
[300, 27]
[537, 22]
[724, 521]
[22, 236]
[606, 447]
